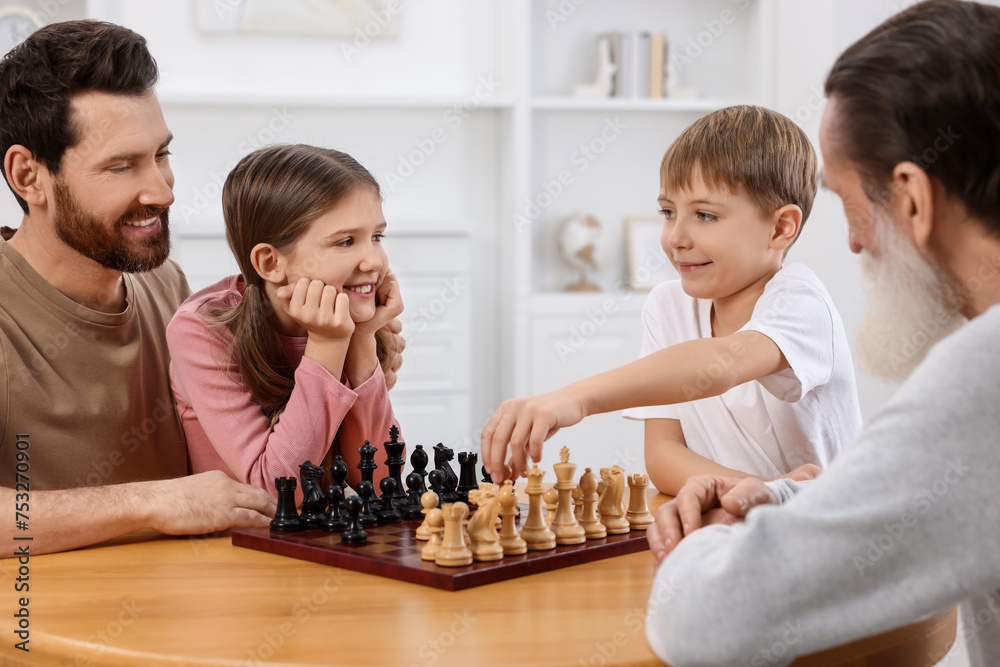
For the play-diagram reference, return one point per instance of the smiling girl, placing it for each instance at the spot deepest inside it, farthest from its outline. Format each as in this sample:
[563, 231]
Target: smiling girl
[271, 366]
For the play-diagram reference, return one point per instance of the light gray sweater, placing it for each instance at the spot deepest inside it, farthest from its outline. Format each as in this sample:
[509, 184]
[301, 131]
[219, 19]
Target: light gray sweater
[905, 523]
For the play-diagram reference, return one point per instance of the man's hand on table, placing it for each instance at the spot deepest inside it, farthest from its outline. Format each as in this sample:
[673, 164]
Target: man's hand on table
[708, 499]
[206, 503]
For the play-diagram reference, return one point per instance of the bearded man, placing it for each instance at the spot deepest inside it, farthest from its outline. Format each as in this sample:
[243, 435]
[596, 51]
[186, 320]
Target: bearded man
[91, 445]
[905, 522]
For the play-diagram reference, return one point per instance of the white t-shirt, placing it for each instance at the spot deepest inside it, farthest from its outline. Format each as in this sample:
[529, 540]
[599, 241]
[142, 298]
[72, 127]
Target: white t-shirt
[770, 426]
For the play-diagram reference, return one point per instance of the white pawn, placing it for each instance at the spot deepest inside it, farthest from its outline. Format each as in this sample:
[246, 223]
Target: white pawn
[435, 528]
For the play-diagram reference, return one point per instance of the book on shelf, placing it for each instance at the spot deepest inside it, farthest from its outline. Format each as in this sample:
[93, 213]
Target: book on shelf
[639, 60]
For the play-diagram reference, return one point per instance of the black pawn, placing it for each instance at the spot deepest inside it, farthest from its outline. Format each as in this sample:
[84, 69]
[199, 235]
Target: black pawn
[335, 521]
[442, 456]
[367, 465]
[438, 479]
[467, 480]
[418, 459]
[366, 491]
[286, 517]
[338, 472]
[486, 476]
[415, 484]
[394, 462]
[387, 512]
[354, 533]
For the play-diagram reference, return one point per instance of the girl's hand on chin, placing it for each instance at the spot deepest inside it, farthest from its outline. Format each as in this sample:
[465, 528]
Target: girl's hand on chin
[319, 308]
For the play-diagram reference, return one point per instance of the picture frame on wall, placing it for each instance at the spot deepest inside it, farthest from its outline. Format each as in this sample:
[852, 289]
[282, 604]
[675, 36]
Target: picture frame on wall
[646, 262]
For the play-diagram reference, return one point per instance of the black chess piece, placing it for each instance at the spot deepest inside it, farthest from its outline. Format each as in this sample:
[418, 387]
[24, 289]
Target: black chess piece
[387, 512]
[367, 465]
[486, 476]
[335, 520]
[354, 533]
[366, 491]
[418, 459]
[394, 462]
[442, 456]
[415, 484]
[313, 500]
[467, 479]
[437, 478]
[338, 472]
[286, 517]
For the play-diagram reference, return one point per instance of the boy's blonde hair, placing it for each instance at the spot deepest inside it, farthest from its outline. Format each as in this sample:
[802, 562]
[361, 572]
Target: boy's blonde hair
[747, 149]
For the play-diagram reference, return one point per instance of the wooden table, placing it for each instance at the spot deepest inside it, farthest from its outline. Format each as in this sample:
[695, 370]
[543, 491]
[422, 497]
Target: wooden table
[151, 600]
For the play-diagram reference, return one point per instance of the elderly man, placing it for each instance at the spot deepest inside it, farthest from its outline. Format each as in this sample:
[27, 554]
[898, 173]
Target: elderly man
[905, 522]
[91, 447]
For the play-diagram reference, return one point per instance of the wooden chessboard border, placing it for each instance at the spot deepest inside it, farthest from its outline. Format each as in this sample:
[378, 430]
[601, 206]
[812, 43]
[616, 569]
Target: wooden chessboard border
[325, 548]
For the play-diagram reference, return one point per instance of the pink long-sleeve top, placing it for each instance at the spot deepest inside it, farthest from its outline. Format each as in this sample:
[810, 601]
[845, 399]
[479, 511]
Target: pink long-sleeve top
[227, 431]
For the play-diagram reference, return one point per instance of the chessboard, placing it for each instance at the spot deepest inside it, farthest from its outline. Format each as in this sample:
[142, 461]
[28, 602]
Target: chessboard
[393, 551]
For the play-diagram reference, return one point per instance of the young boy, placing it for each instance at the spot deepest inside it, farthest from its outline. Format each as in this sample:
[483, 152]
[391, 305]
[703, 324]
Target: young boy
[746, 368]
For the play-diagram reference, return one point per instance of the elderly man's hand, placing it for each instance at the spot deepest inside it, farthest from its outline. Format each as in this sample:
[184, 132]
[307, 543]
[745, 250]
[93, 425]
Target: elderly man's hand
[205, 503]
[395, 350]
[704, 500]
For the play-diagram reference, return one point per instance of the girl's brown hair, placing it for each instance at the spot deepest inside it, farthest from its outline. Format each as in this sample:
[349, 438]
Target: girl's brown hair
[272, 196]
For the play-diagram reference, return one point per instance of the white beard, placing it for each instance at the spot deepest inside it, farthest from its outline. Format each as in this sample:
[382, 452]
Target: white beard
[912, 304]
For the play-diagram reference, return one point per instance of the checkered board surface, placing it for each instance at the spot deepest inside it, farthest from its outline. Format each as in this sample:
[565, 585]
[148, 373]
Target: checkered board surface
[393, 551]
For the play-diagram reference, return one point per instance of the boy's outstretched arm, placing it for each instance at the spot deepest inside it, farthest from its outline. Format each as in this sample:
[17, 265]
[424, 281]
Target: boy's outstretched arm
[670, 463]
[687, 371]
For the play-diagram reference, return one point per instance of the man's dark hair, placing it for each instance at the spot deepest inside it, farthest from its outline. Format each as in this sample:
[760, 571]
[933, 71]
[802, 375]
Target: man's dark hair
[925, 87]
[39, 77]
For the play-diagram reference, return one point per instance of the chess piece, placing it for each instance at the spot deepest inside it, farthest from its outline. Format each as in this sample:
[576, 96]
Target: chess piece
[429, 500]
[510, 541]
[454, 552]
[335, 520]
[418, 459]
[535, 532]
[578, 502]
[338, 472]
[565, 525]
[394, 462]
[313, 500]
[437, 479]
[442, 456]
[467, 479]
[550, 500]
[367, 464]
[286, 517]
[366, 491]
[354, 533]
[482, 526]
[387, 512]
[435, 529]
[638, 514]
[414, 483]
[610, 504]
[592, 526]
[486, 475]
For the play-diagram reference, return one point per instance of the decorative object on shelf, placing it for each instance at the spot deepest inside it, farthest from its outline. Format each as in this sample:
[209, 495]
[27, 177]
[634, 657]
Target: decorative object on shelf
[578, 244]
[603, 85]
[672, 78]
[647, 263]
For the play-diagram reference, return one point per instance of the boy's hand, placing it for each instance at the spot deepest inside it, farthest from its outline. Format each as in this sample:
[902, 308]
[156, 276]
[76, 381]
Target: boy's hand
[525, 423]
[390, 306]
[325, 314]
[704, 499]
